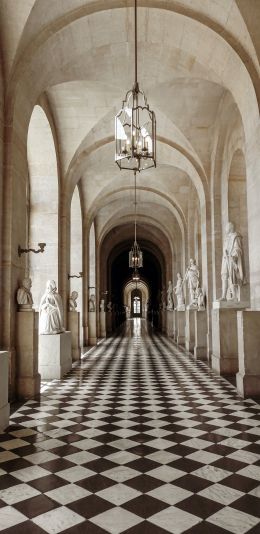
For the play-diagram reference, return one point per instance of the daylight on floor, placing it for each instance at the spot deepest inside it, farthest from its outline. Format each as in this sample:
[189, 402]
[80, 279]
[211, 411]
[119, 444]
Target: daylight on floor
[129, 267]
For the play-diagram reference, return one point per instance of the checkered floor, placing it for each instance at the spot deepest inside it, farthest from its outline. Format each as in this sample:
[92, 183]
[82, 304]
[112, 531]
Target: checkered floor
[138, 438]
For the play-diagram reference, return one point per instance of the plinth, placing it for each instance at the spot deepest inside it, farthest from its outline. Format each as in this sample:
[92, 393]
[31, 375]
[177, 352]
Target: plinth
[181, 327]
[4, 404]
[54, 355]
[201, 330]
[248, 376]
[102, 324]
[74, 327]
[28, 377]
[224, 337]
[190, 330]
[169, 323]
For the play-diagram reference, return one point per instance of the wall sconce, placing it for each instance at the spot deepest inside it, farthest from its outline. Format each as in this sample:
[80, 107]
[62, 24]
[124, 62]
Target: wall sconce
[26, 250]
[80, 275]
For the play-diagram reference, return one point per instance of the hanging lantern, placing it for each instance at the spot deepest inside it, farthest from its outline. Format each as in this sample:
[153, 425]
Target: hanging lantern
[135, 257]
[135, 128]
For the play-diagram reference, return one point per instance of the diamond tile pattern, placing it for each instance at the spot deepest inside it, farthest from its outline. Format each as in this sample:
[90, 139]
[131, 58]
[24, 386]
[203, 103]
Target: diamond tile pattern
[139, 439]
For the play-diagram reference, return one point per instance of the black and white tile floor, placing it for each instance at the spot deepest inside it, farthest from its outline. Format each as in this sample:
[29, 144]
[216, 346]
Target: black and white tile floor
[138, 438]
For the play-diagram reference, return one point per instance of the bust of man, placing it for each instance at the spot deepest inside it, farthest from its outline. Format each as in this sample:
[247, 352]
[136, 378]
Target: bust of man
[24, 295]
[73, 301]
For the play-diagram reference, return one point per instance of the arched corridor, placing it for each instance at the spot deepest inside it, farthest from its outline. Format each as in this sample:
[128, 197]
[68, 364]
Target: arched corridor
[129, 266]
[138, 437]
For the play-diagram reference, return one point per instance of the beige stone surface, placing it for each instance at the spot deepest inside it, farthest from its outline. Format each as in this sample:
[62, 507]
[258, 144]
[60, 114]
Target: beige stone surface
[28, 378]
[248, 376]
[54, 355]
[74, 327]
[224, 341]
[181, 322]
[201, 330]
[190, 329]
[4, 404]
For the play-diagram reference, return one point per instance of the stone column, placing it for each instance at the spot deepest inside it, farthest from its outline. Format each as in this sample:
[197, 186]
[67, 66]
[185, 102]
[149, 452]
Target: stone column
[224, 338]
[190, 330]
[4, 404]
[201, 331]
[74, 327]
[28, 377]
[248, 376]
[102, 324]
[169, 323]
[92, 328]
[181, 327]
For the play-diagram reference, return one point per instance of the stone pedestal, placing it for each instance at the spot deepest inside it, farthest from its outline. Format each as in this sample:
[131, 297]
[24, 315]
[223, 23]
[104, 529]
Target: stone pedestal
[181, 327]
[4, 404]
[175, 325]
[92, 328]
[28, 377]
[224, 338]
[102, 324]
[109, 322]
[201, 331]
[164, 322]
[74, 327]
[54, 355]
[190, 330]
[169, 323]
[248, 376]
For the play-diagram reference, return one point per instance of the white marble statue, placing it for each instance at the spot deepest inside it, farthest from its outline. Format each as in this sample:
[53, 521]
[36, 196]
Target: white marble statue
[163, 300]
[200, 299]
[24, 295]
[109, 306]
[232, 270]
[102, 305]
[51, 311]
[170, 304]
[192, 276]
[73, 301]
[92, 303]
[178, 290]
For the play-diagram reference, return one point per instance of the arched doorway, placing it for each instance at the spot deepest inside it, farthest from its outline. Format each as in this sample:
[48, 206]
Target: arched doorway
[136, 303]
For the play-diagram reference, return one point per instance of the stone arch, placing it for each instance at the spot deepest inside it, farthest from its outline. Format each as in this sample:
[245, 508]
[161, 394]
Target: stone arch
[237, 208]
[76, 252]
[43, 202]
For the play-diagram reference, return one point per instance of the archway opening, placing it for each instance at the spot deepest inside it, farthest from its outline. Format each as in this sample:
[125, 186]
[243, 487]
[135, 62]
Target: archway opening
[136, 303]
[237, 212]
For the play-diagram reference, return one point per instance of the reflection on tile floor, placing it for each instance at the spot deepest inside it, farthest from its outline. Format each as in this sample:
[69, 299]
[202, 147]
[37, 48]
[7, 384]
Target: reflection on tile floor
[138, 438]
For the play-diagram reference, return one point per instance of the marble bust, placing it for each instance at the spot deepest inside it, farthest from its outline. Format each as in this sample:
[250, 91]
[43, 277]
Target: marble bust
[24, 295]
[51, 311]
[92, 303]
[102, 305]
[109, 306]
[232, 269]
[73, 301]
[170, 296]
[178, 290]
